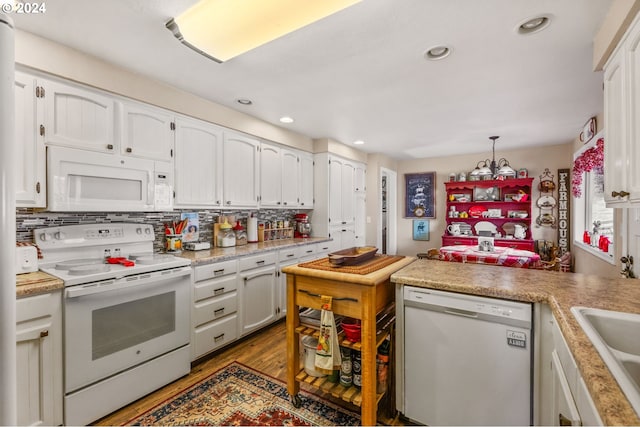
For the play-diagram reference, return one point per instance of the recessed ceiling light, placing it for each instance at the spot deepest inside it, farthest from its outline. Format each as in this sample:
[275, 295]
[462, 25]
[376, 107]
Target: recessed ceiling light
[533, 25]
[437, 52]
[244, 101]
[358, 142]
[286, 119]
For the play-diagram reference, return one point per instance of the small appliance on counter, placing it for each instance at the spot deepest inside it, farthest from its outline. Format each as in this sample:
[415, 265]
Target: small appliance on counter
[26, 259]
[303, 226]
[196, 246]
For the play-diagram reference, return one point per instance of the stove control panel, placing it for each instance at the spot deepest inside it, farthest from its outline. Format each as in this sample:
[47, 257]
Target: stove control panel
[92, 234]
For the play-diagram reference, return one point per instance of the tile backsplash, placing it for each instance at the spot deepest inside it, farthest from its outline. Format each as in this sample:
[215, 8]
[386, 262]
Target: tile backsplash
[28, 219]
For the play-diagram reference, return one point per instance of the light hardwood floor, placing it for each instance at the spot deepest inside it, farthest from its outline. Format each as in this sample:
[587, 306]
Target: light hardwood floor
[264, 351]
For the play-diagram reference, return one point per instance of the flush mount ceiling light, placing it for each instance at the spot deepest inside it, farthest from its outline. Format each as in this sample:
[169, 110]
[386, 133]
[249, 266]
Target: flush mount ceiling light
[358, 142]
[533, 25]
[437, 52]
[286, 119]
[223, 29]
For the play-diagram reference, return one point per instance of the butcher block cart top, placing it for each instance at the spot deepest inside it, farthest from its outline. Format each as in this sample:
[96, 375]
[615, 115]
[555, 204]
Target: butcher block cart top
[357, 291]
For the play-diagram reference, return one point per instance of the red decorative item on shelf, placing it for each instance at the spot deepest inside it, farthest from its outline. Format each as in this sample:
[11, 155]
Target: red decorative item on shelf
[476, 211]
[351, 328]
[586, 238]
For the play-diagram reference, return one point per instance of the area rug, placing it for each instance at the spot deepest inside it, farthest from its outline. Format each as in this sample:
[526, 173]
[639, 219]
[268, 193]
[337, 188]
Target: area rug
[240, 396]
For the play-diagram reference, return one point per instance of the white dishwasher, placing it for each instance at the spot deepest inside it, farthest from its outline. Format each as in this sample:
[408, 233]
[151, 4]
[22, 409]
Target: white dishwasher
[463, 359]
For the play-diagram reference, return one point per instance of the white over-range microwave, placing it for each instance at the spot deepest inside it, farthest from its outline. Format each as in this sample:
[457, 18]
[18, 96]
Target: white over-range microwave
[80, 180]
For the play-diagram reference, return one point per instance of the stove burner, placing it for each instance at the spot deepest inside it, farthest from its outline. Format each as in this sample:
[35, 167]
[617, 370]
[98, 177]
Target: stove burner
[140, 255]
[68, 265]
[82, 270]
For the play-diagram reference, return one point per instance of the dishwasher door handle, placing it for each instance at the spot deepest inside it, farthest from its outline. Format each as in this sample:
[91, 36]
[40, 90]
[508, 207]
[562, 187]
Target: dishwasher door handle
[458, 312]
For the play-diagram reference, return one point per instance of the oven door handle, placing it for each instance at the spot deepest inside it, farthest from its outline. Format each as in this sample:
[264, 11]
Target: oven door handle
[126, 282]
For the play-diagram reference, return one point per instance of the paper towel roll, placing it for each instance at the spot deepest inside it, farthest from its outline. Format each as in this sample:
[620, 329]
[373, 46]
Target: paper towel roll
[252, 229]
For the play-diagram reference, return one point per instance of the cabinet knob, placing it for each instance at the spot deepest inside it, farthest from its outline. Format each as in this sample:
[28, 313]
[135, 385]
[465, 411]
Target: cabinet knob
[619, 194]
[129, 149]
[44, 333]
[109, 146]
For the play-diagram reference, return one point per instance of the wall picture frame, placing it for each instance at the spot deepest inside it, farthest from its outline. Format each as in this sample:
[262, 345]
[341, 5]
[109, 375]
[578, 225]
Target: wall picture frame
[421, 229]
[419, 196]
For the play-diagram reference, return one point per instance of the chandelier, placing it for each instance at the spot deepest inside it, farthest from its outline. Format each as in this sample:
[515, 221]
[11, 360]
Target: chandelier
[490, 169]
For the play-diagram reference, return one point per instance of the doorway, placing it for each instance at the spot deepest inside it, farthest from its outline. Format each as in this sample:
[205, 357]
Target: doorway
[387, 241]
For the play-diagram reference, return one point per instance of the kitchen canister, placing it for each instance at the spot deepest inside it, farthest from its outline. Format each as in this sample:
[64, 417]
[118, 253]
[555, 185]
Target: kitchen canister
[309, 356]
[173, 243]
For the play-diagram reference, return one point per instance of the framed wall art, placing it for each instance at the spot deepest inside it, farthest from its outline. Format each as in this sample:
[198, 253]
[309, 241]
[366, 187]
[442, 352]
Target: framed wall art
[419, 196]
[421, 229]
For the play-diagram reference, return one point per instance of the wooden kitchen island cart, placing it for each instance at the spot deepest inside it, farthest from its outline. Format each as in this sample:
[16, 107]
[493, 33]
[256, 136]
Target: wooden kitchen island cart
[356, 295]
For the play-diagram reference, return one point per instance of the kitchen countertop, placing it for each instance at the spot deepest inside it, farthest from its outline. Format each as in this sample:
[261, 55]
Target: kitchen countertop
[560, 291]
[35, 283]
[223, 254]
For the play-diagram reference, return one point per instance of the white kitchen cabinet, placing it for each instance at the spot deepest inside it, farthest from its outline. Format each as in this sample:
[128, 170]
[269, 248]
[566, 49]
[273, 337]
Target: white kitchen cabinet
[257, 286]
[39, 359]
[291, 175]
[338, 206]
[286, 257]
[270, 176]
[77, 117]
[198, 164]
[214, 311]
[622, 121]
[359, 177]
[241, 165]
[30, 150]
[306, 180]
[146, 131]
[562, 396]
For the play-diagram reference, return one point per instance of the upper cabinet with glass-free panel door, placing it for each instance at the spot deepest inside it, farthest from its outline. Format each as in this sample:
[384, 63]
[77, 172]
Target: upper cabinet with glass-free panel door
[622, 121]
[306, 166]
[76, 117]
[241, 165]
[29, 147]
[198, 164]
[146, 131]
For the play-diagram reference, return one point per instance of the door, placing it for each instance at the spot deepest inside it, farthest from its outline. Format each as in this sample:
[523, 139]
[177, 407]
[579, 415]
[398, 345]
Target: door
[258, 287]
[241, 164]
[564, 411]
[632, 73]
[29, 147]
[79, 118]
[198, 164]
[147, 132]
[270, 176]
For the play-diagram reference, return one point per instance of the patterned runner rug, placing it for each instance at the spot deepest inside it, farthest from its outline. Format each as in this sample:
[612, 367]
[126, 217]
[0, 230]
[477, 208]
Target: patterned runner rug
[240, 396]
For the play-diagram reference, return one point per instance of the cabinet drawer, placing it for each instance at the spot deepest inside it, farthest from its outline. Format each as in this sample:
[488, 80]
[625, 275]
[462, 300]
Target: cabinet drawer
[526, 245]
[255, 261]
[306, 251]
[214, 335]
[217, 269]
[322, 249]
[36, 306]
[452, 241]
[287, 254]
[215, 308]
[214, 287]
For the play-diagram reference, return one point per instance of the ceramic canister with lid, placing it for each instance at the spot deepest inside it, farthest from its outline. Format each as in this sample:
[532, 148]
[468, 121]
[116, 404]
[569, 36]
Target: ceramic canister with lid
[226, 236]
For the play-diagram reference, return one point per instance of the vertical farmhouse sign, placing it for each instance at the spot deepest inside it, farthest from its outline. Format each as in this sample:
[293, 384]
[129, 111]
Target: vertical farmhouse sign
[563, 211]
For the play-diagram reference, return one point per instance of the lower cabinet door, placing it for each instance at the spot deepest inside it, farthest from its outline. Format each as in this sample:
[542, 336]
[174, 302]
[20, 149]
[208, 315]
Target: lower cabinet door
[258, 287]
[565, 412]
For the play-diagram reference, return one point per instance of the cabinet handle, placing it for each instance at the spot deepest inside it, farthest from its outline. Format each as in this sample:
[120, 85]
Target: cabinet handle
[228, 202]
[291, 255]
[44, 333]
[218, 338]
[218, 272]
[109, 146]
[285, 203]
[246, 279]
[129, 149]
[621, 193]
[218, 311]
[564, 421]
[260, 262]
[41, 130]
[38, 187]
[218, 291]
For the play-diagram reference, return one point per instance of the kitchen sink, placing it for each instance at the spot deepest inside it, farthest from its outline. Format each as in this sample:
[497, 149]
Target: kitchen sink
[616, 336]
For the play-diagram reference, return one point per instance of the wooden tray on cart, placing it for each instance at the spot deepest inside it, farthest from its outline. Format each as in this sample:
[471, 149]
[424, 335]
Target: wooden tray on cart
[352, 256]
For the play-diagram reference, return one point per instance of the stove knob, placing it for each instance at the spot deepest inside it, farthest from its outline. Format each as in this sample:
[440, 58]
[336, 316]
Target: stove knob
[139, 230]
[44, 237]
[147, 230]
[59, 235]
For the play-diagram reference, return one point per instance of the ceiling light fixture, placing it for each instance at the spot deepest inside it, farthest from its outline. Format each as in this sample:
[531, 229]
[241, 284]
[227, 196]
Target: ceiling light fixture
[286, 119]
[533, 25]
[223, 29]
[437, 52]
[491, 169]
[244, 101]
[358, 142]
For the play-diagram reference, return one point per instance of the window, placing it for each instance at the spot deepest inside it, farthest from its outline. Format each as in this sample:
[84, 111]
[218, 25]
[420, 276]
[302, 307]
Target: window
[593, 221]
